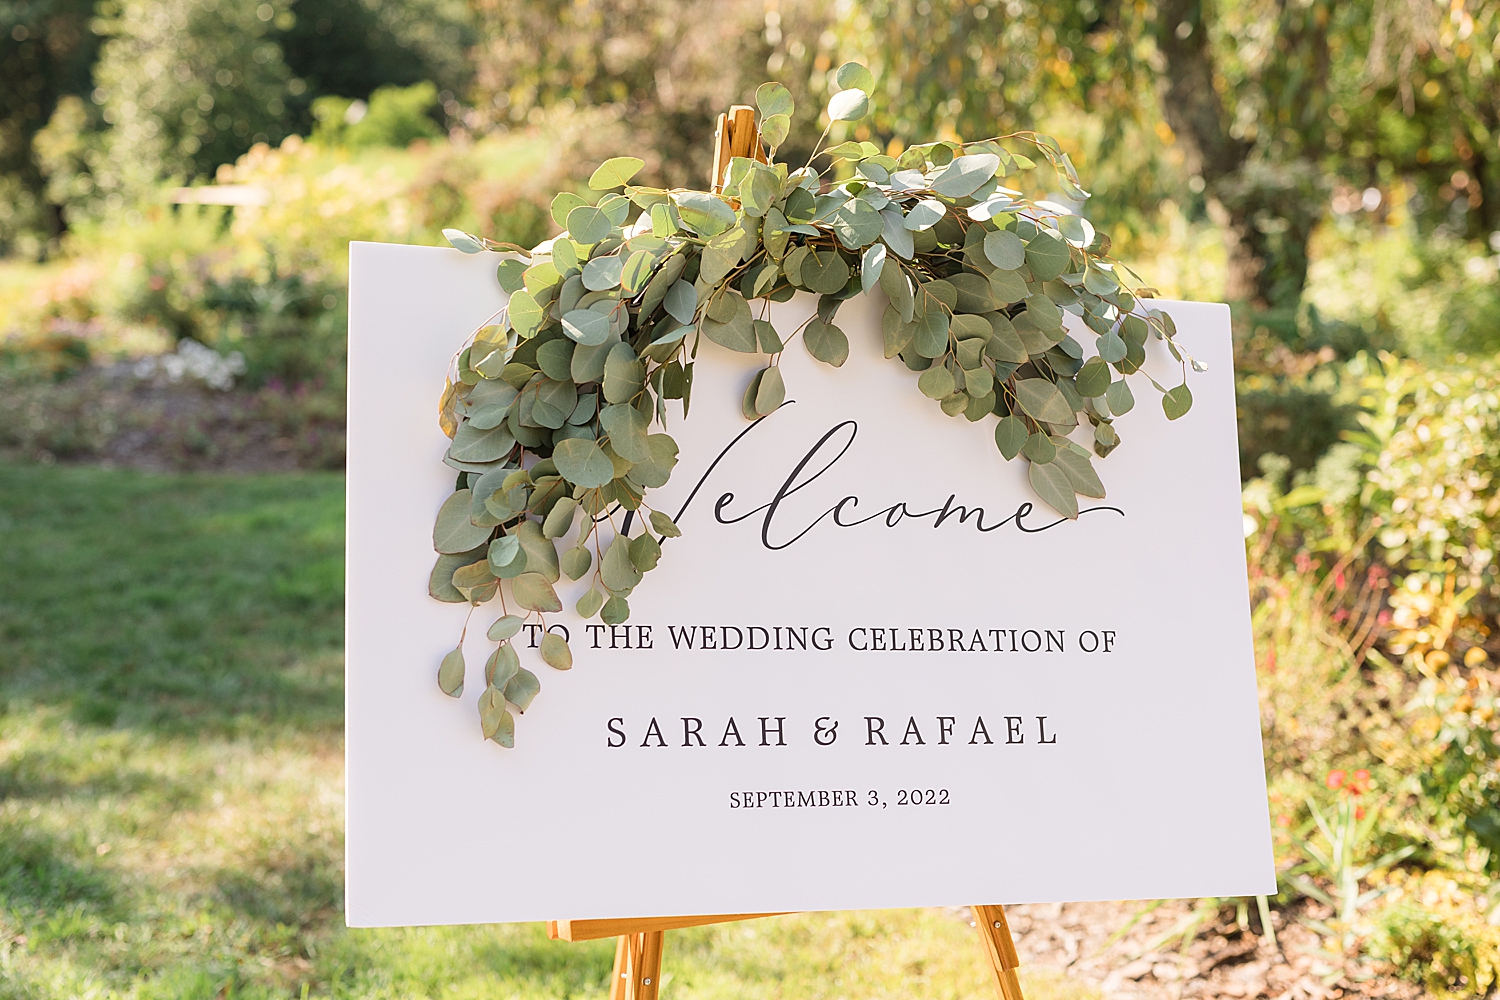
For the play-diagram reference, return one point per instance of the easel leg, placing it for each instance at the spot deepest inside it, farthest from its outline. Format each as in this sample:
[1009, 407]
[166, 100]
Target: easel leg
[619, 979]
[637, 971]
[994, 931]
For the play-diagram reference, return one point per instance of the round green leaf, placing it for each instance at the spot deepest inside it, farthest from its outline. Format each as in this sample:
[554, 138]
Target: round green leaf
[1004, 249]
[582, 463]
[576, 562]
[1175, 403]
[854, 76]
[966, 174]
[772, 99]
[589, 604]
[826, 342]
[454, 532]
[603, 273]
[494, 719]
[534, 593]
[1047, 256]
[1010, 436]
[775, 128]
[1093, 379]
[615, 611]
[563, 203]
[615, 172]
[560, 518]
[707, 214]
[1119, 397]
[936, 382]
[1039, 448]
[586, 327]
[849, 105]
[588, 225]
[508, 273]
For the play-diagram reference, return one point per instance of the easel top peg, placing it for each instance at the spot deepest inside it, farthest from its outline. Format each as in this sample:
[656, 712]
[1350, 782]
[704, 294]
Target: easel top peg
[736, 134]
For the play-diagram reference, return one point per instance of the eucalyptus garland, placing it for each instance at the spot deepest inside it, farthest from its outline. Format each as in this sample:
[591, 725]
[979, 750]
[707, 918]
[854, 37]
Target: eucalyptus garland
[551, 405]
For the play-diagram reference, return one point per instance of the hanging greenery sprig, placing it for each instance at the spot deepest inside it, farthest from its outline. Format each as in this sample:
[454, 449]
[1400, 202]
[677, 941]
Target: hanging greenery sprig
[552, 405]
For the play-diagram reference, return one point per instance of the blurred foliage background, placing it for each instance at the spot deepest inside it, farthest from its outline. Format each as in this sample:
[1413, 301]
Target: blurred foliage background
[179, 180]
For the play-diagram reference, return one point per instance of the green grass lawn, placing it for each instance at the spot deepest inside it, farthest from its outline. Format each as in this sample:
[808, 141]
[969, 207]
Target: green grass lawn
[171, 779]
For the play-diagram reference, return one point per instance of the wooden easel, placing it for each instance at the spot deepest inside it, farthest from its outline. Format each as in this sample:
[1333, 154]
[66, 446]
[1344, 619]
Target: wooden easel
[737, 134]
[637, 971]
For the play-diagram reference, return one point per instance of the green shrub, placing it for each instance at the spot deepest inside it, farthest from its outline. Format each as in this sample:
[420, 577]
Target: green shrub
[1293, 421]
[1435, 935]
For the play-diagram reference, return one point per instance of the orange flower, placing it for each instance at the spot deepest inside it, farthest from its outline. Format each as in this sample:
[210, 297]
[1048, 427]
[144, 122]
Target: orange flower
[1335, 779]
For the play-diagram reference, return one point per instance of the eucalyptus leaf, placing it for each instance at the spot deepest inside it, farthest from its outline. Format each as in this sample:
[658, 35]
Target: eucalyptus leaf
[583, 463]
[555, 652]
[773, 99]
[501, 666]
[707, 214]
[1042, 401]
[463, 241]
[617, 571]
[848, 105]
[1051, 484]
[770, 391]
[576, 561]
[613, 173]
[1093, 379]
[626, 427]
[1176, 402]
[589, 604]
[1119, 397]
[1080, 472]
[588, 224]
[1047, 256]
[728, 322]
[965, 174]
[852, 76]
[451, 673]
[495, 720]
[505, 627]
[586, 327]
[1010, 436]
[871, 265]
[522, 688]
[664, 525]
[936, 382]
[615, 610]
[645, 552]
[1004, 249]
[454, 532]
[681, 302]
[603, 273]
[825, 342]
[534, 593]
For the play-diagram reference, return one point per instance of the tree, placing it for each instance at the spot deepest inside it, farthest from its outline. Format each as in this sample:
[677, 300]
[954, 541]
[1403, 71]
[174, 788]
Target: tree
[1265, 105]
[668, 66]
[46, 49]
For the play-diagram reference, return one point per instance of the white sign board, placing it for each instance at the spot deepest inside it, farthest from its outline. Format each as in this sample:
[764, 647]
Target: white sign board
[875, 671]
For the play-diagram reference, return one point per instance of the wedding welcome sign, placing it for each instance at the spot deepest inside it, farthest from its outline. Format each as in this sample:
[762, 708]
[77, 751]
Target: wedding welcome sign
[876, 670]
